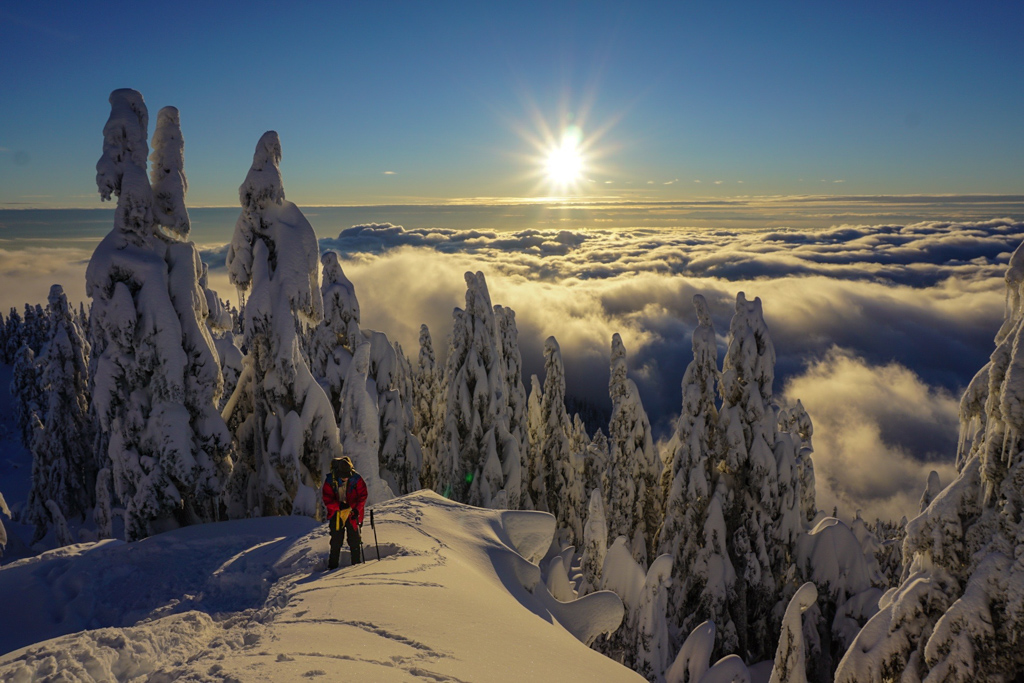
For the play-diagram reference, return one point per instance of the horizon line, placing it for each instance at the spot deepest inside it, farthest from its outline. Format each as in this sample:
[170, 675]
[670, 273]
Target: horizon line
[583, 201]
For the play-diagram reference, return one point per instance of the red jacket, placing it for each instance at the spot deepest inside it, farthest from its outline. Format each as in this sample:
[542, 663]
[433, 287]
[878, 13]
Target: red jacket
[354, 496]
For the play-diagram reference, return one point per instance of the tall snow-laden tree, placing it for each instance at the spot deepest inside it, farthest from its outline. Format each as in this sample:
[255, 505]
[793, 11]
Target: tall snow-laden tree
[634, 490]
[400, 456]
[958, 614]
[692, 475]
[595, 544]
[155, 372]
[25, 388]
[337, 335]
[287, 441]
[63, 466]
[12, 335]
[790, 656]
[475, 442]
[563, 468]
[748, 426]
[428, 409]
[652, 630]
[360, 423]
[537, 475]
[516, 472]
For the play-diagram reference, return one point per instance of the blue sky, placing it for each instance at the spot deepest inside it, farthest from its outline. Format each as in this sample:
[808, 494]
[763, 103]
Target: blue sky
[766, 98]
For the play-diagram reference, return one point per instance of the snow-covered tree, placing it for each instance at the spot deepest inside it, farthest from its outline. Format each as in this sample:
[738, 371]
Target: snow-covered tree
[428, 408]
[693, 462]
[652, 630]
[790, 656]
[475, 445]
[155, 371]
[595, 544]
[563, 468]
[958, 614]
[516, 472]
[63, 466]
[62, 534]
[12, 335]
[596, 464]
[103, 514]
[537, 474]
[400, 457]
[634, 489]
[337, 335]
[360, 423]
[748, 427]
[26, 386]
[287, 441]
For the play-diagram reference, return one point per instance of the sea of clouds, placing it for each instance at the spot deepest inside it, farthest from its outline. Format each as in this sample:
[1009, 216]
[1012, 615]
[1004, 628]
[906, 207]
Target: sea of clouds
[877, 328]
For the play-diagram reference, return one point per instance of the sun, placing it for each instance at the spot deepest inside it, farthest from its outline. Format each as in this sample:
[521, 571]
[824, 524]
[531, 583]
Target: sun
[564, 161]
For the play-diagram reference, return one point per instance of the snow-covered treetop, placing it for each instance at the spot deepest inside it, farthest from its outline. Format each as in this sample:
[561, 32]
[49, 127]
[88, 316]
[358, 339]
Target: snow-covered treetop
[121, 170]
[124, 140]
[617, 386]
[340, 303]
[750, 357]
[292, 253]
[167, 174]
[263, 183]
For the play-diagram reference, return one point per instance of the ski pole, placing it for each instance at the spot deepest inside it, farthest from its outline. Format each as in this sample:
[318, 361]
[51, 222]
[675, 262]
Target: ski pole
[374, 527]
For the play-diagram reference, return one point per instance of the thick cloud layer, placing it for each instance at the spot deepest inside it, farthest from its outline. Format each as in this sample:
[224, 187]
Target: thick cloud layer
[907, 309]
[876, 430]
[868, 321]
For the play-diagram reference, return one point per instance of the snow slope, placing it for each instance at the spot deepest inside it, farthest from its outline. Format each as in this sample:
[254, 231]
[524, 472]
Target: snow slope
[456, 596]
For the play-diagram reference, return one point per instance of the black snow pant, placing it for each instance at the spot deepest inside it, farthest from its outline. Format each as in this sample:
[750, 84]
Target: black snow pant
[338, 539]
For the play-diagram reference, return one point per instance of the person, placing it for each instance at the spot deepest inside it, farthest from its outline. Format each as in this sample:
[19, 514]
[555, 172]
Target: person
[344, 495]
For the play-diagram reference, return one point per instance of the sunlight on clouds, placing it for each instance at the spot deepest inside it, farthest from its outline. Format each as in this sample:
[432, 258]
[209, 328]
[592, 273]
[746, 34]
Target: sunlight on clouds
[878, 432]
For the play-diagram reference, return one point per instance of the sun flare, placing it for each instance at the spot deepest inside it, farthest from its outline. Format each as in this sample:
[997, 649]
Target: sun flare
[564, 163]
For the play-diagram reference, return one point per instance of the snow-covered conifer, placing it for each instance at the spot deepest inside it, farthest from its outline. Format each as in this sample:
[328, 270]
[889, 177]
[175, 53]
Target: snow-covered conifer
[596, 464]
[26, 385]
[400, 456]
[652, 631]
[961, 600]
[102, 514]
[563, 467]
[287, 441]
[595, 544]
[634, 491]
[428, 408]
[748, 427]
[12, 335]
[337, 335]
[63, 464]
[167, 174]
[693, 464]
[790, 657]
[155, 371]
[59, 524]
[537, 491]
[360, 424]
[516, 472]
[475, 441]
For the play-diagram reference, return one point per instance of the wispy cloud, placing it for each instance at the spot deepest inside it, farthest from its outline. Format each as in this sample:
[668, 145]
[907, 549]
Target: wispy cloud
[389, 173]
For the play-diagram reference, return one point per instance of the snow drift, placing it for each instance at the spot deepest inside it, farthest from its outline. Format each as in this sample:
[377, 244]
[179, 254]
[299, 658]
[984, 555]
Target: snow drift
[248, 600]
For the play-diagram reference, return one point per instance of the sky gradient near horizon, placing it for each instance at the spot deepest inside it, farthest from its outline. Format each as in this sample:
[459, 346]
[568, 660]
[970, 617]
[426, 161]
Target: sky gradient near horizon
[426, 103]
